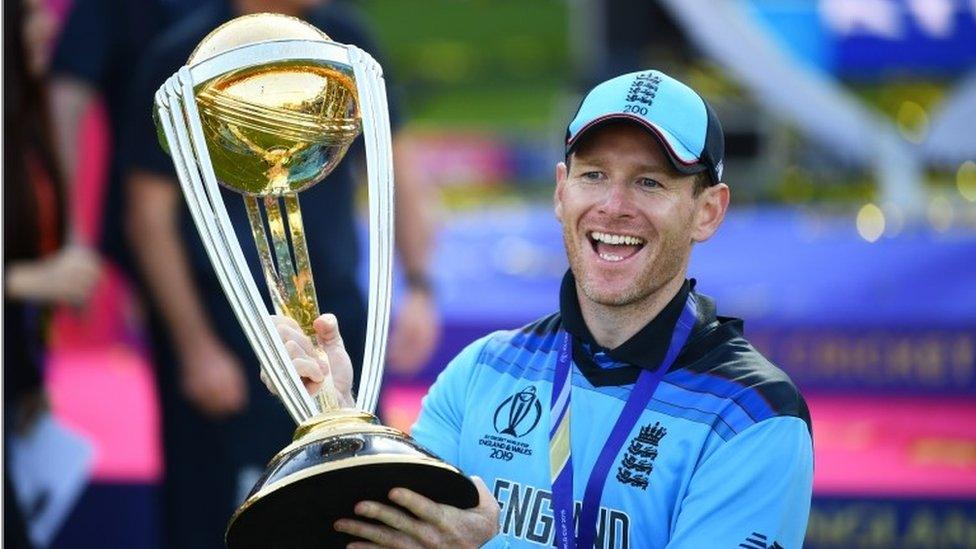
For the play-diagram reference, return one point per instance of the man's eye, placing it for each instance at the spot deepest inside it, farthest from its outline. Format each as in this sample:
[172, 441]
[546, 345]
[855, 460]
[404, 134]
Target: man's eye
[648, 183]
[592, 176]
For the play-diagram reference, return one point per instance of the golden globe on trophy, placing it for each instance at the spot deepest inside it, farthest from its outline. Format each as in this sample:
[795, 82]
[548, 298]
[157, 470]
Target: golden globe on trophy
[267, 106]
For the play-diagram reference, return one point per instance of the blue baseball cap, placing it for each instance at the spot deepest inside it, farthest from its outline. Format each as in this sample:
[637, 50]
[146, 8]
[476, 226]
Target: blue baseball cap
[683, 123]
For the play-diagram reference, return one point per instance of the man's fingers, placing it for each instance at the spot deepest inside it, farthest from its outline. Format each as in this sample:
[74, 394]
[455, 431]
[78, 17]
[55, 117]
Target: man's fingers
[363, 545]
[288, 332]
[295, 350]
[282, 320]
[295, 334]
[421, 522]
[311, 374]
[327, 330]
[330, 339]
[268, 384]
[398, 520]
[381, 535]
[425, 509]
[309, 369]
[487, 508]
[485, 499]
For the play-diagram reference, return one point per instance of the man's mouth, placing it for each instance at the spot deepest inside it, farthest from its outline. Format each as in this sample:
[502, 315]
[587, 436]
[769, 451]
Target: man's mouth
[614, 247]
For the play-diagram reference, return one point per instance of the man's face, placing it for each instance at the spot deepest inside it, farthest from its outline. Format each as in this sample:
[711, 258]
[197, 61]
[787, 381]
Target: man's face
[629, 219]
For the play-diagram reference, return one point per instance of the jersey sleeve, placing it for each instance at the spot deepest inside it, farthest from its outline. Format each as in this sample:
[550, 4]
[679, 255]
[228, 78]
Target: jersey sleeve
[438, 428]
[753, 492]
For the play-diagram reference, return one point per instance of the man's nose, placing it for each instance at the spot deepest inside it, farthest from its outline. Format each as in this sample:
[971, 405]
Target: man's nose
[617, 200]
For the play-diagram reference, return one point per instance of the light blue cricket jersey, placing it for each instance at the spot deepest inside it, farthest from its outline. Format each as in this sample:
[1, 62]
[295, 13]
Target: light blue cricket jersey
[721, 457]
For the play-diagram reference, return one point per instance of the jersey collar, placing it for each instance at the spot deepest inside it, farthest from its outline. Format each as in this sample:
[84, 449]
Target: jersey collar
[646, 348]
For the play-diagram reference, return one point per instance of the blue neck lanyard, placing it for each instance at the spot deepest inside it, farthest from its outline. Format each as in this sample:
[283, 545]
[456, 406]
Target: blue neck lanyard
[560, 457]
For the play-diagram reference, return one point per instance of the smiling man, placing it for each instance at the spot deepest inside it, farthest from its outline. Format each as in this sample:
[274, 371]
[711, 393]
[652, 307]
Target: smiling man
[635, 409]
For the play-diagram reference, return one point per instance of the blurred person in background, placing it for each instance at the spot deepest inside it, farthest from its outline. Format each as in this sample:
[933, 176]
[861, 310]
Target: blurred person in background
[637, 34]
[97, 53]
[40, 270]
[220, 427]
[663, 419]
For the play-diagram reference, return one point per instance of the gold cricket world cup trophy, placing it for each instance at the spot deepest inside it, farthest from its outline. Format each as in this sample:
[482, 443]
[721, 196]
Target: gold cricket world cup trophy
[267, 105]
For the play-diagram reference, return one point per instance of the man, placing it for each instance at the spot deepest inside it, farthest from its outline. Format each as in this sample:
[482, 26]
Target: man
[220, 427]
[634, 408]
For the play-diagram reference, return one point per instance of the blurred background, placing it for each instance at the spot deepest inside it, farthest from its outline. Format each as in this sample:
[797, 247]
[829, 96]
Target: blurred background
[849, 249]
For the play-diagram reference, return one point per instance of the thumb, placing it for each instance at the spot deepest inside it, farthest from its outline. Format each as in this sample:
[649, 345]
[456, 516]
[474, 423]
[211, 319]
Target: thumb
[485, 498]
[327, 331]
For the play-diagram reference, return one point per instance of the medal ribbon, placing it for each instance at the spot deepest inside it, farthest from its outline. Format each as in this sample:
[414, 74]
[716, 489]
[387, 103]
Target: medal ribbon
[560, 455]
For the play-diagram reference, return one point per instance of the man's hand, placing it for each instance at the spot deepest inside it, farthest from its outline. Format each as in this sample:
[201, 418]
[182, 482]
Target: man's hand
[212, 378]
[416, 331]
[433, 525]
[314, 363]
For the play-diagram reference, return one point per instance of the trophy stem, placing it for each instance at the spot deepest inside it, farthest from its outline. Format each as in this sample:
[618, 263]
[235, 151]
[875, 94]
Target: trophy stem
[282, 253]
[292, 292]
[305, 286]
[264, 252]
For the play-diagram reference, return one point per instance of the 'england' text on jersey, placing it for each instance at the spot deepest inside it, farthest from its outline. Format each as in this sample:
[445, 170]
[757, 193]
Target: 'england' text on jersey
[526, 513]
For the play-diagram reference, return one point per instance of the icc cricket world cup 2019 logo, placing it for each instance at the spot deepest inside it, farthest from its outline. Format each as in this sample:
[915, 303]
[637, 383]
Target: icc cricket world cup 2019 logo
[518, 414]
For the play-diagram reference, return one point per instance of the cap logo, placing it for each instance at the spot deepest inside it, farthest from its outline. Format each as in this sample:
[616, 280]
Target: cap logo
[643, 89]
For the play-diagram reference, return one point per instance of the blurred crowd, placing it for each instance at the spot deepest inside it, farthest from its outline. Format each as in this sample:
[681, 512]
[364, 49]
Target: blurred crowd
[220, 427]
[43, 264]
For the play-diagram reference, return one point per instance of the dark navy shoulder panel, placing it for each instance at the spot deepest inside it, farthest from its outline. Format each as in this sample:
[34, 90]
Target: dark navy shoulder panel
[734, 372]
[544, 326]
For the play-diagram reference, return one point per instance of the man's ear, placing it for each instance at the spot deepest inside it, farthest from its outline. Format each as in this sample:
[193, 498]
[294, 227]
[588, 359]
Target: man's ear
[710, 209]
[562, 172]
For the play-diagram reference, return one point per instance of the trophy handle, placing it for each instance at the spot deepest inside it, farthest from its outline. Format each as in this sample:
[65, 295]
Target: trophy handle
[374, 112]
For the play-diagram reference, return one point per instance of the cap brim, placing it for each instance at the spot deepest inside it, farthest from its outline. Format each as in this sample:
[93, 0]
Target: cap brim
[681, 158]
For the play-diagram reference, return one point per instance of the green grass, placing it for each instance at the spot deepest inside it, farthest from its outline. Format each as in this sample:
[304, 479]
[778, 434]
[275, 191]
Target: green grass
[476, 62]
[505, 109]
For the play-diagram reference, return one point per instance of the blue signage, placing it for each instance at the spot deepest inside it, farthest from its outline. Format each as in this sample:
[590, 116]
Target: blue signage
[876, 38]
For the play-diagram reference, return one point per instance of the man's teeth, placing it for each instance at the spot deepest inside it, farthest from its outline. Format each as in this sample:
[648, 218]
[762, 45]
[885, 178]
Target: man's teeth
[611, 257]
[616, 239]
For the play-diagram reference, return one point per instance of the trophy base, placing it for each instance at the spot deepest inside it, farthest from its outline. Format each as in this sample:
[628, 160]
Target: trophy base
[337, 460]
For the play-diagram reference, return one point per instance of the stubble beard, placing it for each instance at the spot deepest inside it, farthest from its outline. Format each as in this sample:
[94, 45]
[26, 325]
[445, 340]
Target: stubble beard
[667, 263]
